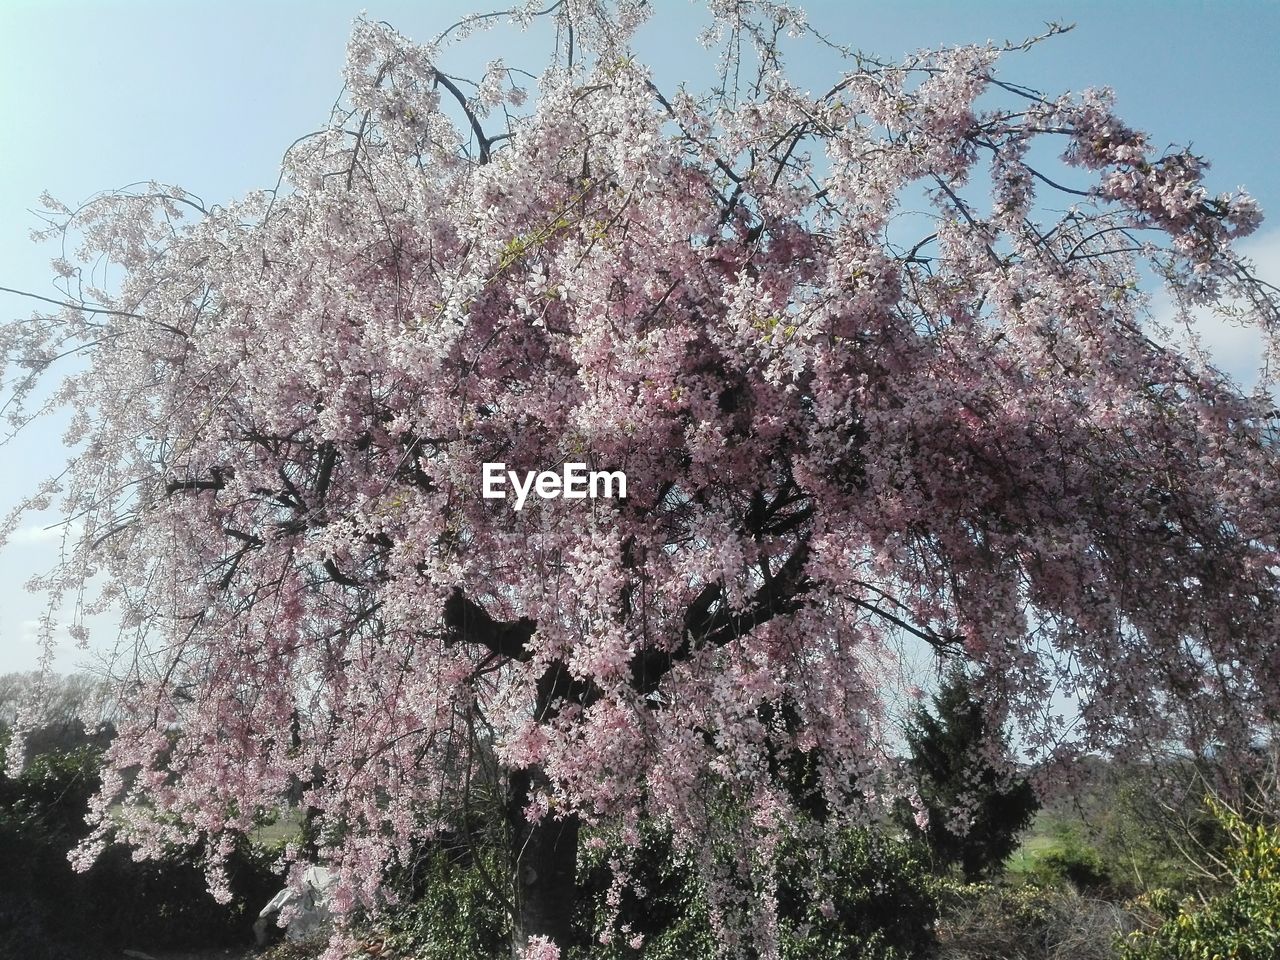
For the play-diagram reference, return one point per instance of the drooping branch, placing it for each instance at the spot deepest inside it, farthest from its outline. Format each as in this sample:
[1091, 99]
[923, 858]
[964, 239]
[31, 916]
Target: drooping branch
[484, 141]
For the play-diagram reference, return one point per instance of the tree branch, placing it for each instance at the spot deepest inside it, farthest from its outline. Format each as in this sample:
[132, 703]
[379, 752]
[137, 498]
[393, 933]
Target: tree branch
[469, 623]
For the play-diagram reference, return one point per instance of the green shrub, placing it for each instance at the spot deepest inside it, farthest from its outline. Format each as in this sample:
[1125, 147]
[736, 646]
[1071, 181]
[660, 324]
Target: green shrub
[865, 896]
[1071, 860]
[673, 919]
[948, 754]
[49, 910]
[1153, 826]
[1241, 923]
[287, 950]
[455, 914]
[876, 901]
[41, 814]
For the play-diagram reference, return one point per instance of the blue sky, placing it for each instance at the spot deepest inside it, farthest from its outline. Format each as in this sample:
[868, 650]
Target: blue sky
[99, 94]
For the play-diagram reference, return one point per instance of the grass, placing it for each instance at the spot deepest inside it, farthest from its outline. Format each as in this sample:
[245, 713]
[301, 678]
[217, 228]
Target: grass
[271, 835]
[284, 830]
[1032, 848]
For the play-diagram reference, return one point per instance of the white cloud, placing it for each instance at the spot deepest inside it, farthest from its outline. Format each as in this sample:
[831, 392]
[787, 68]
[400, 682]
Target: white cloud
[31, 634]
[1234, 349]
[36, 535]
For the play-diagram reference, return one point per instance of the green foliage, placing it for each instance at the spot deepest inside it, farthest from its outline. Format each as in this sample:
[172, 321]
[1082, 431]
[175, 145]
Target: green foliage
[876, 900]
[1241, 923]
[1071, 859]
[49, 910]
[862, 895]
[288, 950]
[1154, 825]
[48, 801]
[672, 918]
[40, 818]
[455, 913]
[945, 749]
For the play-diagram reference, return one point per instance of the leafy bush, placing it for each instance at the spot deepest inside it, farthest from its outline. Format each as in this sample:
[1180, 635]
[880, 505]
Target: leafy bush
[40, 814]
[864, 895]
[1073, 861]
[455, 913]
[876, 901]
[1152, 828]
[1241, 923]
[49, 910]
[673, 918]
[287, 950]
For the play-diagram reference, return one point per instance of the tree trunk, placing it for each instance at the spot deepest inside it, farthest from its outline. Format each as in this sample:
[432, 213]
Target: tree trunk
[545, 860]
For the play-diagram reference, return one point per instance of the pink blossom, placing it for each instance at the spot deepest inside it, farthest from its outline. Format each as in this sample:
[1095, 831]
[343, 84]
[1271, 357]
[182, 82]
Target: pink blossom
[540, 948]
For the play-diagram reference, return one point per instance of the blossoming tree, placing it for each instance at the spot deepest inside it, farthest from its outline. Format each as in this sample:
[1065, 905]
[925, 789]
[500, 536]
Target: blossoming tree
[846, 427]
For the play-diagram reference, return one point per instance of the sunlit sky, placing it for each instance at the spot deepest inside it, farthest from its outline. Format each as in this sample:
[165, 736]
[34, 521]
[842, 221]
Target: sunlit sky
[103, 93]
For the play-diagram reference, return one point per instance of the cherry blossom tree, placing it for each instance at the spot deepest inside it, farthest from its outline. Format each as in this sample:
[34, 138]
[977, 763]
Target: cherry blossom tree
[877, 361]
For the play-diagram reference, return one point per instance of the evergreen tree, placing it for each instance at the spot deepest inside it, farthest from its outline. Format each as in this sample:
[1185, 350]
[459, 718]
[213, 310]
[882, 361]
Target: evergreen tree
[956, 757]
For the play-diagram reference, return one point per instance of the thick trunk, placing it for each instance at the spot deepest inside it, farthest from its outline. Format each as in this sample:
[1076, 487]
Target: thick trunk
[545, 856]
